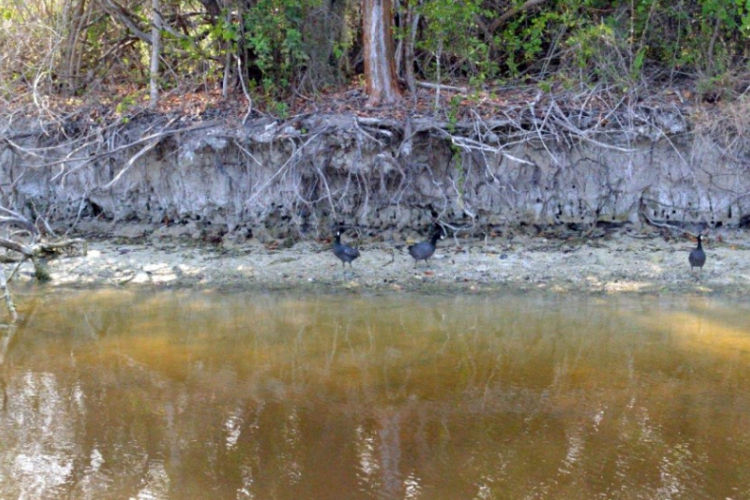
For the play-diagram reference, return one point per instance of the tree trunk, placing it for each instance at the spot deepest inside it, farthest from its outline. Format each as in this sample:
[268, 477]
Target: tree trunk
[380, 70]
[72, 49]
[412, 21]
[155, 54]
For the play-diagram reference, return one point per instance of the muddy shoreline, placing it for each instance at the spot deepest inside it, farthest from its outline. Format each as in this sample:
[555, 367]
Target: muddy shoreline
[623, 262]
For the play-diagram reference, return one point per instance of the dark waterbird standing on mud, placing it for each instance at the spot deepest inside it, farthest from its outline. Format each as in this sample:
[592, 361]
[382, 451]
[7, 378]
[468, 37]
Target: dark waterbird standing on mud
[425, 249]
[344, 252]
[697, 256]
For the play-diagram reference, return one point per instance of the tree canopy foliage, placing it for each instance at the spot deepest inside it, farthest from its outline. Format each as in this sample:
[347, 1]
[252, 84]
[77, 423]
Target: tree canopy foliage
[277, 50]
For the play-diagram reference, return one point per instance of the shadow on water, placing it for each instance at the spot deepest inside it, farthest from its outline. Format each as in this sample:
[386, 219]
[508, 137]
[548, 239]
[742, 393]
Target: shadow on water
[177, 394]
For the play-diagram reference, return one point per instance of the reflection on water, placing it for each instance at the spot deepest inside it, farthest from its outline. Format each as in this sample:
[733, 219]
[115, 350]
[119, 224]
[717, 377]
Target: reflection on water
[187, 395]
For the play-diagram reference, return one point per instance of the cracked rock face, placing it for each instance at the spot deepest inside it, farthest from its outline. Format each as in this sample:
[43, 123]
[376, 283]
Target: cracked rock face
[281, 181]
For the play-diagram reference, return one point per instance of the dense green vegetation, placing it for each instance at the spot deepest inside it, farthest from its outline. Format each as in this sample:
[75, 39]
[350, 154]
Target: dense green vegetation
[274, 50]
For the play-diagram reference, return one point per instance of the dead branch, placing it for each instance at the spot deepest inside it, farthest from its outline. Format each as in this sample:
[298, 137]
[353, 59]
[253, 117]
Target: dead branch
[120, 13]
[145, 149]
[66, 245]
[29, 251]
[439, 86]
[5, 346]
[24, 250]
[8, 299]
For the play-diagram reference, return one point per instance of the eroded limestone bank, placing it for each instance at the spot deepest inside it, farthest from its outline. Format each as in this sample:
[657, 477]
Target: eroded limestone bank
[298, 178]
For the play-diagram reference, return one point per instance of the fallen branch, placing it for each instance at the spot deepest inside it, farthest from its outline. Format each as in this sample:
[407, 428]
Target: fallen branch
[31, 251]
[8, 298]
[67, 244]
[439, 86]
[16, 247]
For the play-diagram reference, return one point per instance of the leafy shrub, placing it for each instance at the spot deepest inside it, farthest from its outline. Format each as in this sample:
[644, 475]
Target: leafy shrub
[274, 37]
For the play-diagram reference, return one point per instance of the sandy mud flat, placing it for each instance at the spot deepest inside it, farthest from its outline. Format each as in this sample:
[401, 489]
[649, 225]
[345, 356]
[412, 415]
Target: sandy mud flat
[619, 263]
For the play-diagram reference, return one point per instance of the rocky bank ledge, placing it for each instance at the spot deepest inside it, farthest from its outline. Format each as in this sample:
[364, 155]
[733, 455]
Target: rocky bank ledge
[622, 262]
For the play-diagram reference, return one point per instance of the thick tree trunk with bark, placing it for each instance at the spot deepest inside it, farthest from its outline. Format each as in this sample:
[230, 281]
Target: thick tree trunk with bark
[380, 69]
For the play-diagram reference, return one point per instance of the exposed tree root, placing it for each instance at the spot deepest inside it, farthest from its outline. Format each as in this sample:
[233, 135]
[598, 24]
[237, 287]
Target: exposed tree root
[320, 168]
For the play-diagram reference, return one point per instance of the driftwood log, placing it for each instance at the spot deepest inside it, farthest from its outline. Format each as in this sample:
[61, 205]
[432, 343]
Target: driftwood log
[22, 242]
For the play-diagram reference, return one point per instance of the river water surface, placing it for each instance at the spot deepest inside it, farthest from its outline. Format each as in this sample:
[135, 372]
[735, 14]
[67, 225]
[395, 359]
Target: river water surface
[193, 395]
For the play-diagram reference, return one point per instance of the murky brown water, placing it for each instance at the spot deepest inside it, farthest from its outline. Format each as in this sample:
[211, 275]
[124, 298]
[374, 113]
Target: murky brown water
[182, 395]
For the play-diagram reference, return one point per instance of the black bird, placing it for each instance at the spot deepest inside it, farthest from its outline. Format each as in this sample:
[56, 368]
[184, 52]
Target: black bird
[425, 249]
[697, 256]
[344, 252]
